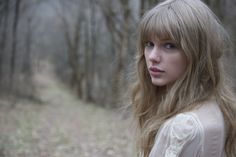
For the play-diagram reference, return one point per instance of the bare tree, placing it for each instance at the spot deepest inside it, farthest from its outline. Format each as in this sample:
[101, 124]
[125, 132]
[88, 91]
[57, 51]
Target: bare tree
[72, 41]
[15, 59]
[14, 41]
[4, 12]
[90, 55]
[118, 25]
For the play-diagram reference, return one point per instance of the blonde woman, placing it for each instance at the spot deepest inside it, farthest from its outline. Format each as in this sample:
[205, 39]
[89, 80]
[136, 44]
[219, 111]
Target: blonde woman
[181, 101]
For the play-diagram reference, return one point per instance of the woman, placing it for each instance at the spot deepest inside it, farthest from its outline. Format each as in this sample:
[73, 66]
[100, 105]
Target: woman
[182, 104]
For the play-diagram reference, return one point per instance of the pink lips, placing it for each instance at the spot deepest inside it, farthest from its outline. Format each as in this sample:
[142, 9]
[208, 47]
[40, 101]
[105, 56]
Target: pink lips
[155, 72]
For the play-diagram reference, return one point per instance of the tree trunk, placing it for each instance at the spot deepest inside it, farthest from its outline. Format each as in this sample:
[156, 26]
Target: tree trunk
[14, 43]
[121, 50]
[3, 26]
[27, 59]
[72, 52]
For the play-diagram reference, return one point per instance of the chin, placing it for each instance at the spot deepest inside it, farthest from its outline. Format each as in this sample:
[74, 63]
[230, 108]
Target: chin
[159, 83]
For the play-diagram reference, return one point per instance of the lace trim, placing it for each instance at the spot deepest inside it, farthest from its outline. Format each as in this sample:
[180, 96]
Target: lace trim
[182, 130]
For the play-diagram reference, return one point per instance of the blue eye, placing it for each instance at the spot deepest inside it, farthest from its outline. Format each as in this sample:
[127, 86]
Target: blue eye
[149, 44]
[169, 46]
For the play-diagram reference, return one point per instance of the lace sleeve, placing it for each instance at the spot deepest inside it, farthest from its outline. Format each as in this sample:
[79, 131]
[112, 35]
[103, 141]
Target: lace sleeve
[175, 135]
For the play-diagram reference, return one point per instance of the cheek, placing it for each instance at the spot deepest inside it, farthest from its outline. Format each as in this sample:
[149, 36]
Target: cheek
[178, 65]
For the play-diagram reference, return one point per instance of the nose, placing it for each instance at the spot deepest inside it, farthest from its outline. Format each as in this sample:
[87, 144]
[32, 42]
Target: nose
[155, 55]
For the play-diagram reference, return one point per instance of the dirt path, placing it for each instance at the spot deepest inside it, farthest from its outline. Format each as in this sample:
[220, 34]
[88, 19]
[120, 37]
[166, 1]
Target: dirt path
[63, 126]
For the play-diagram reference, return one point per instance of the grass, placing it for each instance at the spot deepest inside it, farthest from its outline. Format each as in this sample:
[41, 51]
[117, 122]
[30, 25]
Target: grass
[63, 126]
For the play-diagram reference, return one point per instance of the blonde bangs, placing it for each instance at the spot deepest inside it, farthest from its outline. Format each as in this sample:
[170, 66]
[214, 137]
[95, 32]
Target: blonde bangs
[161, 23]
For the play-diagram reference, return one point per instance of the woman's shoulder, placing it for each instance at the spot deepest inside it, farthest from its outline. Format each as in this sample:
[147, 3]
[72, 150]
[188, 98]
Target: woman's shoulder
[206, 119]
[184, 126]
[200, 131]
[210, 116]
[179, 134]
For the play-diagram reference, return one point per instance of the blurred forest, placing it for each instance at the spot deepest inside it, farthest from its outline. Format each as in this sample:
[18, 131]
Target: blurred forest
[64, 67]
[91, 44]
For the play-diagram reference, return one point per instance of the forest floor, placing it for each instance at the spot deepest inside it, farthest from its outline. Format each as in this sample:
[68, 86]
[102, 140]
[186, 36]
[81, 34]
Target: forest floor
[62, 126]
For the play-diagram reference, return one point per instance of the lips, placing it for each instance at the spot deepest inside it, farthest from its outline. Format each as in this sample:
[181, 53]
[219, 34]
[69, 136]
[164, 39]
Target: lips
[155, 72]
[154, 69]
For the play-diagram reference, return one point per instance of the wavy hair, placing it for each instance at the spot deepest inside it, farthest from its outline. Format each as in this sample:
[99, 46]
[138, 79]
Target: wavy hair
[199, 33]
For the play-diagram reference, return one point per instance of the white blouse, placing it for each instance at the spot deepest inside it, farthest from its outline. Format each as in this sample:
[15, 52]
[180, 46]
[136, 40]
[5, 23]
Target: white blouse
[199, 133]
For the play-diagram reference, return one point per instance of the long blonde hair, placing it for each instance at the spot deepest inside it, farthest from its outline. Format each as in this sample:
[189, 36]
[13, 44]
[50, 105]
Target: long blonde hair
[198, 32]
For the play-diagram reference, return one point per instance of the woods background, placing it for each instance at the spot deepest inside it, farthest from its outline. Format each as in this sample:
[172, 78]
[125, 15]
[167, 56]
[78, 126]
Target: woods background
[64, 68]
[91, 44]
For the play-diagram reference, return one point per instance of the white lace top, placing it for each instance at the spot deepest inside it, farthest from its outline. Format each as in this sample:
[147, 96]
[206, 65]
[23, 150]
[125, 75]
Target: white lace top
[200, 133]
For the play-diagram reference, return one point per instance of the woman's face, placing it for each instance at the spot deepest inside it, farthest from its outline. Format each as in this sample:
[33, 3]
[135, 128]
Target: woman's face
[165, 61]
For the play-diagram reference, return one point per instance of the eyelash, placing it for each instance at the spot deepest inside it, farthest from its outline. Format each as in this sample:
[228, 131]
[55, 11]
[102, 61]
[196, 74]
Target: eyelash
[150, 44]
[169, 46]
